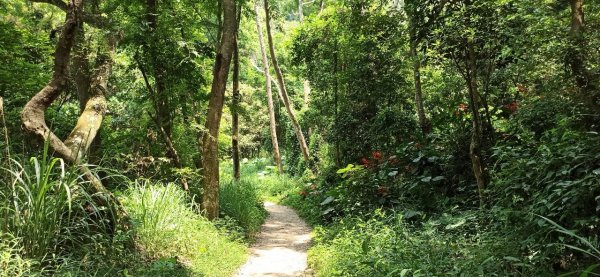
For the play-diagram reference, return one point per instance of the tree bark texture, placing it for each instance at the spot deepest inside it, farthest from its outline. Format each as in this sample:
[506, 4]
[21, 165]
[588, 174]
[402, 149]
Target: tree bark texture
[210, 149]
[33, 114]
[269, 89]
[235, 121]
[78, 142]
[284, 94]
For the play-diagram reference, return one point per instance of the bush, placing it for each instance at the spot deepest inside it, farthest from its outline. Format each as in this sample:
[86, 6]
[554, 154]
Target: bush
[559, 178]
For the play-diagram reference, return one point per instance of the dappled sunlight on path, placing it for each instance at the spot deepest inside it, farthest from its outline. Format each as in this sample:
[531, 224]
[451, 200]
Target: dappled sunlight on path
[280, 249]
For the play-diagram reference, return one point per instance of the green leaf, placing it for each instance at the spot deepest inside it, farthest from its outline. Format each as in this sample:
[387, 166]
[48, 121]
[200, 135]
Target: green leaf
[438, 178]
[589, 270]
[327, 200]
[512, 259]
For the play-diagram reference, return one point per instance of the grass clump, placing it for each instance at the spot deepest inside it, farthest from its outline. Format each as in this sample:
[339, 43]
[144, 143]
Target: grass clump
[176, 237]
[38, 204]
[240, 202]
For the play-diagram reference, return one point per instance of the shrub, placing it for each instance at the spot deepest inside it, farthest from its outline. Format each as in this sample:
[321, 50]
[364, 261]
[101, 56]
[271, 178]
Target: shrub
[559, 178]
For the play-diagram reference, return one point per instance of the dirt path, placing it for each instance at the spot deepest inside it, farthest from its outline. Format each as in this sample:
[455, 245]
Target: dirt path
[280, 249]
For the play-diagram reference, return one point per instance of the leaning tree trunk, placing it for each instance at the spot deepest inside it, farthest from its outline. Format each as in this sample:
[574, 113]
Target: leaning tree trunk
[83, 83]
[284, 94]
[33, 114]
[235, 121]
[272, 122]
[210, 146]
[78, 142]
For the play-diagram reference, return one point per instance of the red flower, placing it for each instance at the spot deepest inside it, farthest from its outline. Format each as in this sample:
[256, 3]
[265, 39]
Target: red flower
[364, 161]
[377, 155]
[512, 106]
[463, 107]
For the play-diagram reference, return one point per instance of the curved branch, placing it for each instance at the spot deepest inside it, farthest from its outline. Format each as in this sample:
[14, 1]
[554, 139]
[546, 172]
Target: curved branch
[33, 114]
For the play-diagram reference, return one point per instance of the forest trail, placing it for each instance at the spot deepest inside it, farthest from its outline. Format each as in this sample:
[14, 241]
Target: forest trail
[280, 249]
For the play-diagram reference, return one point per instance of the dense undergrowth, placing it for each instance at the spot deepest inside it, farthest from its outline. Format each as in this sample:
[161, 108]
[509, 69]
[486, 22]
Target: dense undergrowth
[401, 214]
[49, 226]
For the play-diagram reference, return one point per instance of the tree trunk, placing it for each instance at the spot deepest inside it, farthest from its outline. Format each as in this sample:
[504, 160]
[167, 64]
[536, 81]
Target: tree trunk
[476, 133]
[160, 96]
[423, 121]
[77, 143]
[83, 83]
[33, 113]
[306, 91]
[235, 133]
[584, 79]
[284, 94]
[174, 155]
[265, 62]
[210, 149]
[301, 10]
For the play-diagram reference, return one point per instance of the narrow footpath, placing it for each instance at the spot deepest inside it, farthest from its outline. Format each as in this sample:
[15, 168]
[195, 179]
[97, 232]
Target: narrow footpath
[280, 249]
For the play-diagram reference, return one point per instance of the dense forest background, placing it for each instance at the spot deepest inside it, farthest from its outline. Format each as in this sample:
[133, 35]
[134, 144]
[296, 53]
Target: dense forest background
[420, 138]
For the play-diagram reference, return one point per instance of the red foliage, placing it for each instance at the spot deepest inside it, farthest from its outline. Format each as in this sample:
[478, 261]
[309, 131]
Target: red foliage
[377, 155]
[512, 106]
[364, 161]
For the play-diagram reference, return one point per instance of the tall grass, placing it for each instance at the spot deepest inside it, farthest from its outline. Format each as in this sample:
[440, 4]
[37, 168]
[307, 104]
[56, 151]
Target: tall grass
[170, 230]
[37, 204]
[240, 201]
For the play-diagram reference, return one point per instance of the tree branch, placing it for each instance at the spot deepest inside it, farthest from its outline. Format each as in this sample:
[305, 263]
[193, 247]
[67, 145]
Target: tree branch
[95, 20]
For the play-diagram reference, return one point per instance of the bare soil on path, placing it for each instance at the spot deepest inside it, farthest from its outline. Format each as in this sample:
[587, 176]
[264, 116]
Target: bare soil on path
[280, 249]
